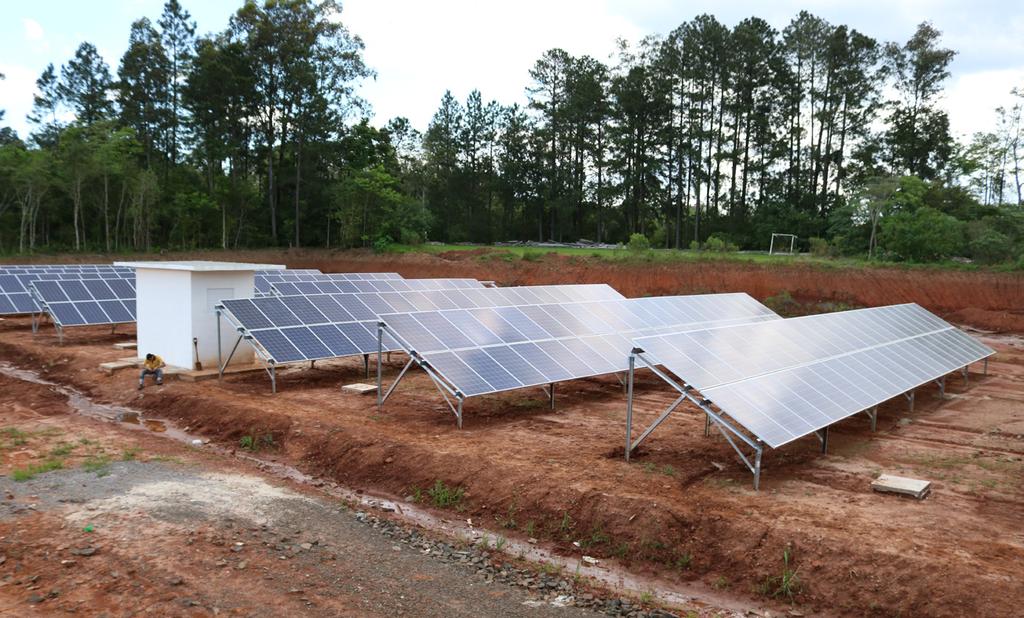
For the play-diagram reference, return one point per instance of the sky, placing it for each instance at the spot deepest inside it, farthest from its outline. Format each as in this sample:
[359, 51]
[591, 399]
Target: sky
[421, 48]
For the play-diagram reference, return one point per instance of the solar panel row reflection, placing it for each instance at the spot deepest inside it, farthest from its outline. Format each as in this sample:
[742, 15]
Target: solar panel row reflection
[543, 343]
[786, 379]
[356, 316]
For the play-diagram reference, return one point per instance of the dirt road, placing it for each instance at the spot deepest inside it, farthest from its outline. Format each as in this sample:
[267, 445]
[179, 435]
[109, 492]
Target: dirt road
[132, 523]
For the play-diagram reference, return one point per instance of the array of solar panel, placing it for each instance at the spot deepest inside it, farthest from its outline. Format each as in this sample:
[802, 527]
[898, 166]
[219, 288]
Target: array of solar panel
[16, 297]
[789, 378]
[88, 301]
[494, 349]
[345, 286]
[313, 327]
[265, 278]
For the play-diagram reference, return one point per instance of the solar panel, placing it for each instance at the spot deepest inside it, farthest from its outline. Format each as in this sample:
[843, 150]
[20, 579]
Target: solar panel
[355, 316]
[491, 349]
[788, 378]
[16, 296]
[86, 301]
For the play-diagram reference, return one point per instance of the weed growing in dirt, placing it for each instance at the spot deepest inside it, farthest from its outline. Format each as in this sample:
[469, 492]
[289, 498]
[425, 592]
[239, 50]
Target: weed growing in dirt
[621, 550]
[417, 495]
[100, 464]
[500, 543]
[129, 454]
[784, 585]
[29, 472]
[531, 527]
[509, 520]
[62, 450]
[567, 523]
[444, 496]
[720, 583]
[683, 562]
[646, 597]
[550, 568]
[256, 443]
[14, 436]
[597, 537]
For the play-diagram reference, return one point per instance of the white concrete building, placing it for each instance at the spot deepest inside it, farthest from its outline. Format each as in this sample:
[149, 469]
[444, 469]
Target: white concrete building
[175, 308]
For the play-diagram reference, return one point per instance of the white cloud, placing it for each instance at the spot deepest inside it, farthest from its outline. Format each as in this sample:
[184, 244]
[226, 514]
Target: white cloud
[16, 96]
[971, 98]
[421, 49]
[33, 31]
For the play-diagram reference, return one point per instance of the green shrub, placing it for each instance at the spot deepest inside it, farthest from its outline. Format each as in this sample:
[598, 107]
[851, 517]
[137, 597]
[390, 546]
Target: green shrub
[444, 496]
[382, 244]
[719, 244]
[819, 247]
[638, 243]
[988, 245]
[922, 236]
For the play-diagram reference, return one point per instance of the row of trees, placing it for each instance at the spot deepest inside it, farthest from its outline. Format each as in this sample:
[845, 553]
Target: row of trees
[257, 136]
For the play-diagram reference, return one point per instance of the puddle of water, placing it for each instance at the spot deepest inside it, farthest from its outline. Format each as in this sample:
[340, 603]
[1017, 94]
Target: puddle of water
[609, 576]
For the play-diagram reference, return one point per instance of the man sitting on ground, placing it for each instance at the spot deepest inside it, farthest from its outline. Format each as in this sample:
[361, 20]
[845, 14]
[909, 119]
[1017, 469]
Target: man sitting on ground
[154, 365]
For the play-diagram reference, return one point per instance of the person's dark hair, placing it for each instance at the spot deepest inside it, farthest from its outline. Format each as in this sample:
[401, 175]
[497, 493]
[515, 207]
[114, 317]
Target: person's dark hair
[149, 357]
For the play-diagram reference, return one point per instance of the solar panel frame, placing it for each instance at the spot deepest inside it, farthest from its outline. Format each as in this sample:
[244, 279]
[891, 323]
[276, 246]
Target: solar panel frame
[85, 302]
[822, 368]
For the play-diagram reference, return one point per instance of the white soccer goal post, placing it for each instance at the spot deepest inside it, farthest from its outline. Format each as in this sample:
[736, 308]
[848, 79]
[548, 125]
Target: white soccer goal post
[779, 244]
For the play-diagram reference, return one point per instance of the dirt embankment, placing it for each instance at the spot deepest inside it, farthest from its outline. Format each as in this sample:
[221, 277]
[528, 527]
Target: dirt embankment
[683, 512]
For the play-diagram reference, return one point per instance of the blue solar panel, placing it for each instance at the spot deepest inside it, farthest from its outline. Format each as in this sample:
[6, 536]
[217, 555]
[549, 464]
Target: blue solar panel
[6, 306]
[247, 314]
[277, 345]
[91, 312]
[75, 290]
[66, 314]
[339, 344]
[331, 309]
[304, 310]
[488, 369]
[116, 311]
[306, 342]
[276, 311]
[515, 364]
[99, 289]
[547, 366]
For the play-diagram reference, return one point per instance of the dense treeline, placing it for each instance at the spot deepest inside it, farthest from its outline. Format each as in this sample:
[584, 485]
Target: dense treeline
[708, 136]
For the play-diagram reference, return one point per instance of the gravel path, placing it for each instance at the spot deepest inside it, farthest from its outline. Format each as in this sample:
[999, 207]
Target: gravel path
[227, 542]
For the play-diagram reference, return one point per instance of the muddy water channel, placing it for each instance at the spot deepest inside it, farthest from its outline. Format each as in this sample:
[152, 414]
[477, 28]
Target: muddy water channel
[604, 575]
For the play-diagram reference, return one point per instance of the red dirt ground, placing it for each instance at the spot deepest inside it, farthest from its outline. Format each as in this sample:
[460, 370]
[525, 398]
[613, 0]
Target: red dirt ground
[672, 514]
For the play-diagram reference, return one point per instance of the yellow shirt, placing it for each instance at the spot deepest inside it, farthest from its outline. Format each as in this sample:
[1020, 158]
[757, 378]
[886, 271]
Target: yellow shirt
[153, 365]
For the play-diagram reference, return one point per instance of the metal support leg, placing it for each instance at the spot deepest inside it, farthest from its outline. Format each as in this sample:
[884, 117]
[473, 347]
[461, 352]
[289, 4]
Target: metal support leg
[910, 398]
[113, 327]
[220, 370]
[757, 468]
[823, 436]
[366, 364]
[629, 404]
[458, 414]
[941, 382]
[551, 395]
[380, 346]
[873, 415]
[964, 372]
[986, 366]
[60, 336]
[312, 364]
[707, 426]
[273, 379]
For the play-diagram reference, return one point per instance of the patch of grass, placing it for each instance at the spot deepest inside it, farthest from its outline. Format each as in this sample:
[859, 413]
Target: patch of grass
[253, 443]
[509, 520]
[14, 436]
[785, 585]
[531, 528]
[550, 568]
[129, 454]
[500, 543]
[100, 464]
[417, 495]
[720, 583]
[683, 562]
[444, 496]
[166, 459]
[668, 470]
[63, 449]
[597, 537]
[30, 471]
[646, 597]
